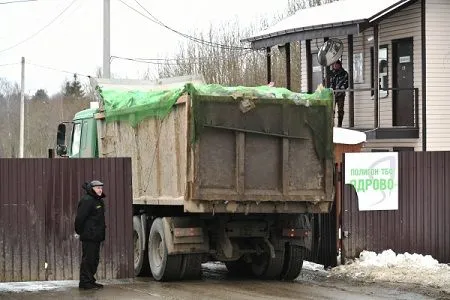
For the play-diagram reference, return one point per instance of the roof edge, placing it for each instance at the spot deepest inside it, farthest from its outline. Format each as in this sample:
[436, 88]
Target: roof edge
[391, 9]
[300, 29]
[307, 35]
[380, 15]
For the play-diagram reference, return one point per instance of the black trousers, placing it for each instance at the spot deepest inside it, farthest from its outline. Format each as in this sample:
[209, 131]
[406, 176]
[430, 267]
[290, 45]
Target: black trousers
[89, 262]
[340, 100]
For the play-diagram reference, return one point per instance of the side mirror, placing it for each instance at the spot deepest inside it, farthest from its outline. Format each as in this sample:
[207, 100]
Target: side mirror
[61, 135]
[61, 148]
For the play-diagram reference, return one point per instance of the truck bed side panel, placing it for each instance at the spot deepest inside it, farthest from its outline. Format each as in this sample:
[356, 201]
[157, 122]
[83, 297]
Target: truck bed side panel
[158, 151]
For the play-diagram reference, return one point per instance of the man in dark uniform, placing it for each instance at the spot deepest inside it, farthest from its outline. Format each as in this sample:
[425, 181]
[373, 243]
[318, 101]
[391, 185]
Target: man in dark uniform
[339, 81]
[90, 226]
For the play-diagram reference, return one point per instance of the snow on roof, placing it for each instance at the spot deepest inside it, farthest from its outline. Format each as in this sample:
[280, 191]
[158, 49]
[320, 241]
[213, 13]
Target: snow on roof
[335, 13]
[347, 136]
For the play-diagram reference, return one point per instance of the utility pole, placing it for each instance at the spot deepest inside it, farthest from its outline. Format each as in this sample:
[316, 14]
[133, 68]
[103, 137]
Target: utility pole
[106, 38]
[22, 109]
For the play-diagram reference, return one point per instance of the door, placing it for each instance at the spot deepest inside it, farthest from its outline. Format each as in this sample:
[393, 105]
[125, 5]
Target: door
[403, 77]
[316, 72]
[76, 140]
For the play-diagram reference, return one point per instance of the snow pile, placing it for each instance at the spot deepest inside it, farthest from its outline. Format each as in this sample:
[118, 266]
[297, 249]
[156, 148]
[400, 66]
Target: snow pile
[35, 286]
[400, 268]
[307, 265]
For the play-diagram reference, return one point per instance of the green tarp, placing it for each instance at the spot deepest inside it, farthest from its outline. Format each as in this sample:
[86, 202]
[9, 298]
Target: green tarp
[135, 106]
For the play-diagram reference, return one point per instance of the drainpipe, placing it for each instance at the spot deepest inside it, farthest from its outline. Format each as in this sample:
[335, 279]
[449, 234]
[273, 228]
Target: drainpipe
[351, 94]
[376, 76]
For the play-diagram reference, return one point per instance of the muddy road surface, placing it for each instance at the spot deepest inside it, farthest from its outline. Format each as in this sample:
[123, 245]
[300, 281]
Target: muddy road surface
[216, 284]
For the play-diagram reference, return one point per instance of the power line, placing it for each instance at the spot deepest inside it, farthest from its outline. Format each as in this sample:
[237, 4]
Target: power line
[10, 64]
[188, 36]
[173, 61]
[59, 70]
[149, 61]
[197, 40]
[17, 1]
[40, 30]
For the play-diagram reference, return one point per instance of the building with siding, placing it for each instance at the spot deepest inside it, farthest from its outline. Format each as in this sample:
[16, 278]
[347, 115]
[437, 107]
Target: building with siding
[410, 108]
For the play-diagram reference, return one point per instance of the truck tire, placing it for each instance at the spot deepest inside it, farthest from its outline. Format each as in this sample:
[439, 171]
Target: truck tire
[266, 267]
[293, 262]
[139, 250]
[191, 266]
[164, 267]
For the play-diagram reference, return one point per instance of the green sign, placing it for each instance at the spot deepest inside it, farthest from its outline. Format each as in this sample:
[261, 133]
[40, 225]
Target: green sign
[374, 176]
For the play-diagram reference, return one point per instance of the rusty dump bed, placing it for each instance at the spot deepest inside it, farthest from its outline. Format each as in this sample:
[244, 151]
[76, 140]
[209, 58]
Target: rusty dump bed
[270, 159]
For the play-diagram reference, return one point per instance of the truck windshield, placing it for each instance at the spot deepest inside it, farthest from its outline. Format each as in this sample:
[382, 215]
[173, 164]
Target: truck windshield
[76, 139]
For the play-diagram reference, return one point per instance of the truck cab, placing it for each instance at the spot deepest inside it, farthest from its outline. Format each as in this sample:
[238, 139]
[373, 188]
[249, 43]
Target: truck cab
[82, 142]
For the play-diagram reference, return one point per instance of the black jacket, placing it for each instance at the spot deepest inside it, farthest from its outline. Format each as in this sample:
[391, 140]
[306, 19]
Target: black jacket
[339, 81]
[90, 219]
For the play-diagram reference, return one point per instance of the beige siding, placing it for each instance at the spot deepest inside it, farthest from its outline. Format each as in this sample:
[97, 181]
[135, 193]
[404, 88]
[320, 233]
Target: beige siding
[403, 24]
[437, 15]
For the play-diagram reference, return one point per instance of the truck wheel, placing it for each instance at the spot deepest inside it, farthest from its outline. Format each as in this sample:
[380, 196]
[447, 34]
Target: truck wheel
[164, 267]
[191, 267]
[266, 267]
[239, 268]
[139, 250]
[293, 262]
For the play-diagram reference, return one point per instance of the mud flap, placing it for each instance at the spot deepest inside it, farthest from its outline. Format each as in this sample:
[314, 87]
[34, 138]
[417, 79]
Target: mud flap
[185, 235]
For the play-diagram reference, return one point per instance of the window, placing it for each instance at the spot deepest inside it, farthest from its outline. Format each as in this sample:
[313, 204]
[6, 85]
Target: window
[84, 133]
[383, 67]
[76, 136]
[383, 70]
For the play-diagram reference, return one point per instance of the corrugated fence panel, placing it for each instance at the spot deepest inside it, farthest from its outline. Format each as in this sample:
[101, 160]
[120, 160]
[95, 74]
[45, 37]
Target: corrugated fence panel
[38, 202]
[421, 223]
[324, 249]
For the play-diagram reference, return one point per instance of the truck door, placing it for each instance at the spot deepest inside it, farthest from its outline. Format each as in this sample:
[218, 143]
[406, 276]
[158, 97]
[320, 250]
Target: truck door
[84, 141]
[76, 140]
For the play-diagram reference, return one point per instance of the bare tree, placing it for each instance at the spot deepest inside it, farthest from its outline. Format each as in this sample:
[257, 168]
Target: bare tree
[42, 119]
[42, 116]
[221, 58]
[9, 117]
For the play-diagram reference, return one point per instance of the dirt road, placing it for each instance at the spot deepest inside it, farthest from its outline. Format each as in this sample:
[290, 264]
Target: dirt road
[215, 284]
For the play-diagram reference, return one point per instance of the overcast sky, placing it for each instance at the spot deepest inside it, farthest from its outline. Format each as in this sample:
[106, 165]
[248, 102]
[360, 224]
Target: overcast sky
[74, 41]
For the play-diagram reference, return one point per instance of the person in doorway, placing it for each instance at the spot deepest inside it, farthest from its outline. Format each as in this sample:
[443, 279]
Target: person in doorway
[90, 226]
[339, 81]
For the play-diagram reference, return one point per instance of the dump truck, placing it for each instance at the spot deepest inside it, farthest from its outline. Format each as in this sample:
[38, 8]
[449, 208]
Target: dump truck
[219, 173]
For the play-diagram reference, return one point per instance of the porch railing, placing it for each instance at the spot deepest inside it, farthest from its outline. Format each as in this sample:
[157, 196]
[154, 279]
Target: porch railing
[394, 108]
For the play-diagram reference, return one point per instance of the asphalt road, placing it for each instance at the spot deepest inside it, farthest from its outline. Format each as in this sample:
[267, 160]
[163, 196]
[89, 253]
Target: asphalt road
[215, 284]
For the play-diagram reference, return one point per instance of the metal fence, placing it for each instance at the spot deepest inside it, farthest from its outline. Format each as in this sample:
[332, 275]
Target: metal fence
[38, 200]
[324, 248]
[420, 225]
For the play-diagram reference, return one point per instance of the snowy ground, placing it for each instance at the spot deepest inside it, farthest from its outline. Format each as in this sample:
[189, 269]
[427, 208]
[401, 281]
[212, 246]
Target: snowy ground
[390, 267]
[370, 271]
[33, 286]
